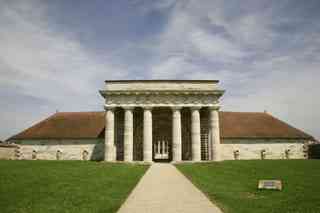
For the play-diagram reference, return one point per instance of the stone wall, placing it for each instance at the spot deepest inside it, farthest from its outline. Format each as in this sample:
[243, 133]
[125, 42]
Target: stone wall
[78, 149]
[93, 149]
[244, 149]
[7, 152]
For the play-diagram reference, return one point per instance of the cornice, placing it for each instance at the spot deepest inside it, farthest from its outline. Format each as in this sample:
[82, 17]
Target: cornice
[152, 106]
[105, 93]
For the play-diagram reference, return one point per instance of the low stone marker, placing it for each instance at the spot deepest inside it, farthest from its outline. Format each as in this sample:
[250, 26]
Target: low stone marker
[270, 184]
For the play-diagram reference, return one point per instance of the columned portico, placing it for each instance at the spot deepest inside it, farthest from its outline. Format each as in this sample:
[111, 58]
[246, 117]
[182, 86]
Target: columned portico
[159, 97]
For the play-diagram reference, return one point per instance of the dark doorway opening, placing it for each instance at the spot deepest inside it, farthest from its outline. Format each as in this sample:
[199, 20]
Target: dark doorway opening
[162, 134]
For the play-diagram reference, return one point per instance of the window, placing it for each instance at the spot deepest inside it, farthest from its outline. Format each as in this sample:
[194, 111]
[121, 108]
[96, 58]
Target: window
[59, 155]
[85, 155]
[263, 154]
[34, 155]
[287, 153]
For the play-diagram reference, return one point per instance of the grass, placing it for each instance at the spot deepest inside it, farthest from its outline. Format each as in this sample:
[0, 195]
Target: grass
[232, 185]
[65, 186]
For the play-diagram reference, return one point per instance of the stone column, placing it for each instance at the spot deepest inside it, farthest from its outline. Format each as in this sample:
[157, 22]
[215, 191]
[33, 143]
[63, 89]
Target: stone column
[214, 132]
[110, 148]
[147, 134]
[128, 134]
[176, 134]
[195, 134]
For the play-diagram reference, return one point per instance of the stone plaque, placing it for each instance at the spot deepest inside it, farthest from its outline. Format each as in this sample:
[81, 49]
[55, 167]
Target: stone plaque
[270, 184]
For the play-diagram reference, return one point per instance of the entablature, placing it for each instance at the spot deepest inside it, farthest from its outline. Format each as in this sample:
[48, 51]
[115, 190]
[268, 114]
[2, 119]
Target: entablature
[106, 93]
[162, 100]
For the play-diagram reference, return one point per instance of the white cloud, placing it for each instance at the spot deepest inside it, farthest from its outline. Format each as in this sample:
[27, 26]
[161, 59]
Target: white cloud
[44, 62]
[38, 61]
[281, 81]
[215, 47]
[260, 67]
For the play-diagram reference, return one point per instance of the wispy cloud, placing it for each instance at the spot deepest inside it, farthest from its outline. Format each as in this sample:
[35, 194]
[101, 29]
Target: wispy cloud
[44, 64]
[265, 57]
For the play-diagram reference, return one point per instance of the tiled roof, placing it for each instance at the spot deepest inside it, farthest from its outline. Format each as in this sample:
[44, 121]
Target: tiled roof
[256, 125]
[66, 125]
[72, 125]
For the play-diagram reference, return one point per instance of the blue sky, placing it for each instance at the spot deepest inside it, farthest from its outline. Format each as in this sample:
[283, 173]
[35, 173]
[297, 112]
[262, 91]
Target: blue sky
[55, 55]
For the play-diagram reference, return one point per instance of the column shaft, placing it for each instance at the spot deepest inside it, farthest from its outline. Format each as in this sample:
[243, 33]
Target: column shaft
[176, 135]
[128, 135]
[195, 134]
[147, 135]
[110, 149]
[214, 134]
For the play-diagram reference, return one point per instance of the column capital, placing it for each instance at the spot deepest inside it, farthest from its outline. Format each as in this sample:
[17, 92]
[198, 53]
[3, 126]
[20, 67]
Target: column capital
[193, 108]
[214, 107]
[107, 108]
[147, 107]
[128, 107]
[176, 108]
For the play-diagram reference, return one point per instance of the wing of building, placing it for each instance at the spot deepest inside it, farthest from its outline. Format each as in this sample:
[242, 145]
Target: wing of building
[161, 121]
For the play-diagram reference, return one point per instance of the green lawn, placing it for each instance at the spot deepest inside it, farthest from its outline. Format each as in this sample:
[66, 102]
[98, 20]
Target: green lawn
[65, 186]
[232, 185]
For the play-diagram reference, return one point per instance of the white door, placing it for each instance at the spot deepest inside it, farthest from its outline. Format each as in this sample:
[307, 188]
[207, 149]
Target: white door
[161, 149]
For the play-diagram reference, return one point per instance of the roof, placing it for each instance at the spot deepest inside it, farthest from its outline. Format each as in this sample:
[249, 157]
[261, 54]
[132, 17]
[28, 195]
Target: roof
[257, 125]
[66, 125]
[76, 125]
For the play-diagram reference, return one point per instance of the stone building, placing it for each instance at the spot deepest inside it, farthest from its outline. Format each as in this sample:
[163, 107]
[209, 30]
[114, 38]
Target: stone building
[161, 120]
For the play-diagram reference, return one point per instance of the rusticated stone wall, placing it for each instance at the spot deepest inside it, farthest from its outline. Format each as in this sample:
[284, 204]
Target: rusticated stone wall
[93, 149]
[244, 149]
[8, 152]
[64, 149]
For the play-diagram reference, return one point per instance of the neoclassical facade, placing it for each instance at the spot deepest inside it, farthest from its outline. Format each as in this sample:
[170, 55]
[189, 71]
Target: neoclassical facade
[161, 121]
[169, 98]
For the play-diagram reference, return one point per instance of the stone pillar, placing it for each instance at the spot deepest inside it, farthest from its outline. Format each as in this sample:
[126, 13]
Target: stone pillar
[176, 134]
[195, 134]
[110, 148]
[214, 132]
[128, 134]
[147, 134]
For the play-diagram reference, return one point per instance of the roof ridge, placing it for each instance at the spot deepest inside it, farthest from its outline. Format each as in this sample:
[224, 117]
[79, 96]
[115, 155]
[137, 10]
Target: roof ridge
[289, 125]
[33, 126]
[246, 112]
[77, 112]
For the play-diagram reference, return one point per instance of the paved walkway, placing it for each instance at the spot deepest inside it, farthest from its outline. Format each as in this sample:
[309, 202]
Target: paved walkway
[164, 189]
